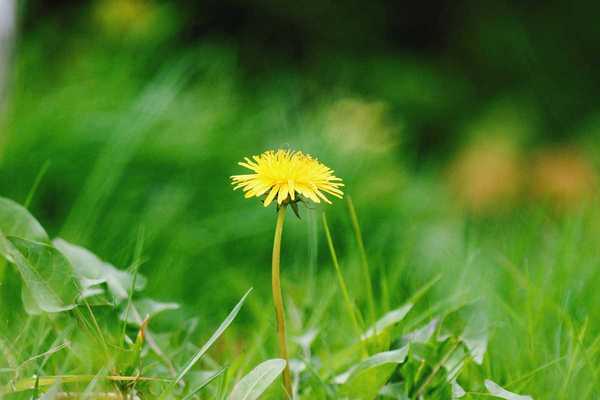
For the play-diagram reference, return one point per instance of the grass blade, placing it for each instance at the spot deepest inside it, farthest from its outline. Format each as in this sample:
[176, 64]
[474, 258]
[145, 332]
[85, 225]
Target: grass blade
[224, 325]
[204, 384]
[364, 260]
[342, 282]
[36, 184]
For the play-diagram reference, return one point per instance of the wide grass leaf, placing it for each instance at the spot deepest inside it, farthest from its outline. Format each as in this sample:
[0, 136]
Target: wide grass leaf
[499, 391]
[253, 385]
[48, 278]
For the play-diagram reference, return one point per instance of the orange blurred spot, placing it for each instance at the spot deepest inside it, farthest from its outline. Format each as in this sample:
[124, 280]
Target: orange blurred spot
[564, 176]
[486, 176]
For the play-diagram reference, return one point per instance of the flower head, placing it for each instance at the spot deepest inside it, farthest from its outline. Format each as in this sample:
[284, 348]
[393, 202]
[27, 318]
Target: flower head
[287, 176]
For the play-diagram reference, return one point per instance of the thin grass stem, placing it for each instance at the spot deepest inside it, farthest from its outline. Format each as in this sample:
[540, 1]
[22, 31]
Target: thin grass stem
[342, 283]
[364, 260]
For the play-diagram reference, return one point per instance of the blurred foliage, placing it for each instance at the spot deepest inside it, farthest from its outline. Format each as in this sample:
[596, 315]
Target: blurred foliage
[137, 111]
[468, 135]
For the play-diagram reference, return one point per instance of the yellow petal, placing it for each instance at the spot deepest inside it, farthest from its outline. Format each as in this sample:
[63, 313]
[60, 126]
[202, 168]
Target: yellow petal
[283, 192]
[292, 189]
[271, 195]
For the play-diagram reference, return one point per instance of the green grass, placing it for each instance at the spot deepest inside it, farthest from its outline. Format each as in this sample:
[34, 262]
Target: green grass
[514, 302]
[137, 173]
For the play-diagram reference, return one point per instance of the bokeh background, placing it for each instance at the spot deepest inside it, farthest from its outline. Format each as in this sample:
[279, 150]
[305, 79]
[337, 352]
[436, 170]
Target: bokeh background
[448, 120]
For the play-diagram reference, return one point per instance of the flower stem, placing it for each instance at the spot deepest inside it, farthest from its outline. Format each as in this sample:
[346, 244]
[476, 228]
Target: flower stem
[278, 300]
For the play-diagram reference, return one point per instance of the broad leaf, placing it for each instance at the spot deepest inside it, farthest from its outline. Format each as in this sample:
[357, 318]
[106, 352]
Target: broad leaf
[47, 275]
[85, 263]
[389, 319]
[387, 357]
[351, 354]
[394, 391]
[91, 270]
[423, 334]
[146, 308]
[477, 343]
[457, 391]
[16, 221]
[253, 385]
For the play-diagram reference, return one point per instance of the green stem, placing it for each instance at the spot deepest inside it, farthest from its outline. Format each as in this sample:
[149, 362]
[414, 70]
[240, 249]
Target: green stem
[278, 299]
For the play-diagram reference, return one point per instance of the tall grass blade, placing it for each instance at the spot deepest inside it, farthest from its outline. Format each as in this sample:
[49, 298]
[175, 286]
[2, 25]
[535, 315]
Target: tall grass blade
[36, 184]
[349, 304]
[363, 257]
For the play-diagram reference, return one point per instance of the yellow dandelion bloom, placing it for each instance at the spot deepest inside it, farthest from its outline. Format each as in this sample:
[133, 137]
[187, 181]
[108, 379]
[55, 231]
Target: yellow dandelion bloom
[287, 176]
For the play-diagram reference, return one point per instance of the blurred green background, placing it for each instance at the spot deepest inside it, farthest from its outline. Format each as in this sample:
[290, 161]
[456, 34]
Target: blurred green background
[448, 121]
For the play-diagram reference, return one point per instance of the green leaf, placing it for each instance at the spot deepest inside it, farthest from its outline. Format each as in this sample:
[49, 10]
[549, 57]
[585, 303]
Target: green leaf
[475, 337]
[422, 334]
[367, 378]
[389, 319]
[394, 390]
[85, 263]
[387, 357]
[457, 391]
[224, 325]
[52, 393]
[147, 307]
[393, 317]
[91, 270]
[15, 220]
[499, 391]
[366, 384]
[352, 353]
[47, 275]
[205, 383]
[253, 385]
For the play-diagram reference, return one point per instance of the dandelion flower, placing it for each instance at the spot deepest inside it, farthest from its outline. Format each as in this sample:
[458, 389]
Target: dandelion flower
[287, 176]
